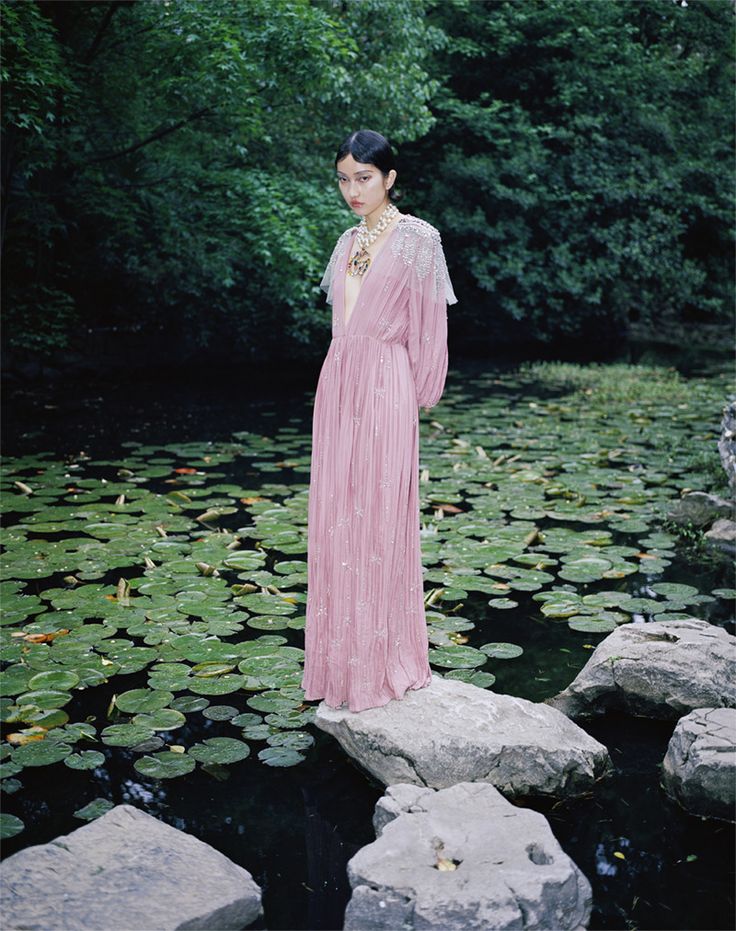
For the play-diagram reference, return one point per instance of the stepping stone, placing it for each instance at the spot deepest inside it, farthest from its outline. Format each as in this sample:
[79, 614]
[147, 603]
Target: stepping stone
[463, 859]
[699, 768]
[662, 669]
[451, 731]
[129, 871]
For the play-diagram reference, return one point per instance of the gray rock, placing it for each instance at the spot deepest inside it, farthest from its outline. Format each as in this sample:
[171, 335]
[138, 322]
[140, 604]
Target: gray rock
[510, 871]
[662, 669]
[451, 732]
[727, 442]
[700, 509]
[699, 768]
[722, 535]
[129, 871]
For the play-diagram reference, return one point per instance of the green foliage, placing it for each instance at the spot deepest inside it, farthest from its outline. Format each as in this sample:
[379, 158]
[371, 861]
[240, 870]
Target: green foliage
[579, 162]
[187, 186]
[167, 165]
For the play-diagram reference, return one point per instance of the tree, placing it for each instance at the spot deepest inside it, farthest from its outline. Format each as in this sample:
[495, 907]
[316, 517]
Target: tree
[184, 160]
[580, 163]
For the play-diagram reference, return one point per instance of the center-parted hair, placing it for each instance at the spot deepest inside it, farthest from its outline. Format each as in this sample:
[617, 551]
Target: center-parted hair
[371, 148]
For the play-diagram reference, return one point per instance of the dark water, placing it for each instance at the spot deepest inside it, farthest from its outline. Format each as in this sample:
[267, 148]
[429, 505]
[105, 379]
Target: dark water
[295, 829]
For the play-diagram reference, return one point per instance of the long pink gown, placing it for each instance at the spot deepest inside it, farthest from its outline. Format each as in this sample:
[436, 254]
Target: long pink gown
[366, 633]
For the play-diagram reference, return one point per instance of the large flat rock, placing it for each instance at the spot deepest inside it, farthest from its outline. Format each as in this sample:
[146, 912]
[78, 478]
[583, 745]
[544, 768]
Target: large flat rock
[662, 669]
[699, 768]
[463, 859]
[125, 871]
[451, 732]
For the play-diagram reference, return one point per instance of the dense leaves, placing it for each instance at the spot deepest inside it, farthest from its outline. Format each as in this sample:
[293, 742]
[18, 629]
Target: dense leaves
[579, 165]
[178, 155]
[167, 166]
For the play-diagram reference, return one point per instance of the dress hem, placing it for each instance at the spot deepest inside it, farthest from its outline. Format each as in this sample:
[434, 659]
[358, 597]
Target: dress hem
[381, 704]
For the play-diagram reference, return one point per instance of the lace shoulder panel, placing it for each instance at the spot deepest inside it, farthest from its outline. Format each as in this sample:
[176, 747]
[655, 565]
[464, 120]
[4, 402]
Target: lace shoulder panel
[420, 246]
[337, 254]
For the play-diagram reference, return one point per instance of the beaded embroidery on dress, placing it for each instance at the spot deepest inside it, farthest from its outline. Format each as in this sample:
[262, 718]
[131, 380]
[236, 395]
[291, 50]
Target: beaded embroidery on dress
[366, 636]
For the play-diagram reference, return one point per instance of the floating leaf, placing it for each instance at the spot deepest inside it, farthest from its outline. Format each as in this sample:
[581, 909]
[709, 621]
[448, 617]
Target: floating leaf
[138, 700]
[41, 753]
[61, 681]
[280, 756]
[10, 825]
[220, 750]
[457, 657]
[165, 765]
[94, 809]
[503, 604]
[473, 677]
[165, 719]
[502, 650]
[125, 735]
[220, 713]
[86, 759]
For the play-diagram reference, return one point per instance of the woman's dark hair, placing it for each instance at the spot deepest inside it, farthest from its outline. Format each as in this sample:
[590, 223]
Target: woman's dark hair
[371, 148]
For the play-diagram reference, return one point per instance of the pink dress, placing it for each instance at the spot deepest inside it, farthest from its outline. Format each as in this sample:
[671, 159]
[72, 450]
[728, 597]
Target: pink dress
[366, 633]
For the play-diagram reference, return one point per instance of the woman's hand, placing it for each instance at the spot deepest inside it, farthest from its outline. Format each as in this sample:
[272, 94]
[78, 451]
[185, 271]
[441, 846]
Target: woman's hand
[426, 409]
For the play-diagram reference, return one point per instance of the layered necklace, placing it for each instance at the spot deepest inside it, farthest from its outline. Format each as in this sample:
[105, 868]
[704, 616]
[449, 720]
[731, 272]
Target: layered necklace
[360, 261]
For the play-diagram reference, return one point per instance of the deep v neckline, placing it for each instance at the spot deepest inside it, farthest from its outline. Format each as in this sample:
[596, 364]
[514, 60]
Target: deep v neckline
[374, 260]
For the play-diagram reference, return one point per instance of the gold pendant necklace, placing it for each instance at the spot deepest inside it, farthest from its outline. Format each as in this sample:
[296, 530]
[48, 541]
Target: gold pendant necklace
[359, 262]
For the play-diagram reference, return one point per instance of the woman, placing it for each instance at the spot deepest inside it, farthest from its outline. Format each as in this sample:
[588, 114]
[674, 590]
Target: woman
[366, 634]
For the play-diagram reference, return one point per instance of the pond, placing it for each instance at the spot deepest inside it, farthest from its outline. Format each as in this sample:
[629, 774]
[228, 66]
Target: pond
[153, 592]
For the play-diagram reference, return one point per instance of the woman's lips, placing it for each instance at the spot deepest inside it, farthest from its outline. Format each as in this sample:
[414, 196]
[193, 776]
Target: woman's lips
[354, 203]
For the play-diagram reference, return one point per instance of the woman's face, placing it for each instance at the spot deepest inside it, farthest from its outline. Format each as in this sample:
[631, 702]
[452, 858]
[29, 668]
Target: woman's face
[363, 185]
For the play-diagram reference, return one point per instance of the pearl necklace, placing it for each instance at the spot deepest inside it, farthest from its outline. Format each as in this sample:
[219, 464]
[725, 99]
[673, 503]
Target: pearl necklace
[360, 261]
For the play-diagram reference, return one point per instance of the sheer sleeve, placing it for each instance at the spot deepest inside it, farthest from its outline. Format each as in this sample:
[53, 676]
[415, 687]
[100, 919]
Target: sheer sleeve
[329, 274]
[430, 292]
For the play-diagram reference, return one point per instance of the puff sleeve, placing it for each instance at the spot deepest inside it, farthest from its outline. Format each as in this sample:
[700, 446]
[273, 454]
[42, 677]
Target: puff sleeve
[430, 291]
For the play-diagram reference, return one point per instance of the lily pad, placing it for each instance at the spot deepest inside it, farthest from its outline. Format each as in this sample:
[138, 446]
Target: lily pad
[94, 809]
[140, 700]
[165, 719]
[503, 604]
[45, 698]
[219, 685]
[280, 756]
[457, 657]
[85, 759]
[41, 753]
[502, 650]
[125, 735]
[61, 680]
[220, 713]
[10, 825]
[472, 676]
[165, 765]
[220, 750]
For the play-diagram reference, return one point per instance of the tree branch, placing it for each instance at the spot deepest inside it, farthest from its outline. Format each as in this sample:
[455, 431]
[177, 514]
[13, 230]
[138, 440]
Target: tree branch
[154, 137]
[109, 13]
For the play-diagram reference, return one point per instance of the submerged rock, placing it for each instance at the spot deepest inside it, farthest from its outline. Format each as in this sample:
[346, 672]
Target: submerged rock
[463, 859]
[662, 669]
[129, 871]
[700, 508]
[723, 535]
[699, 768]
[450, 732]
